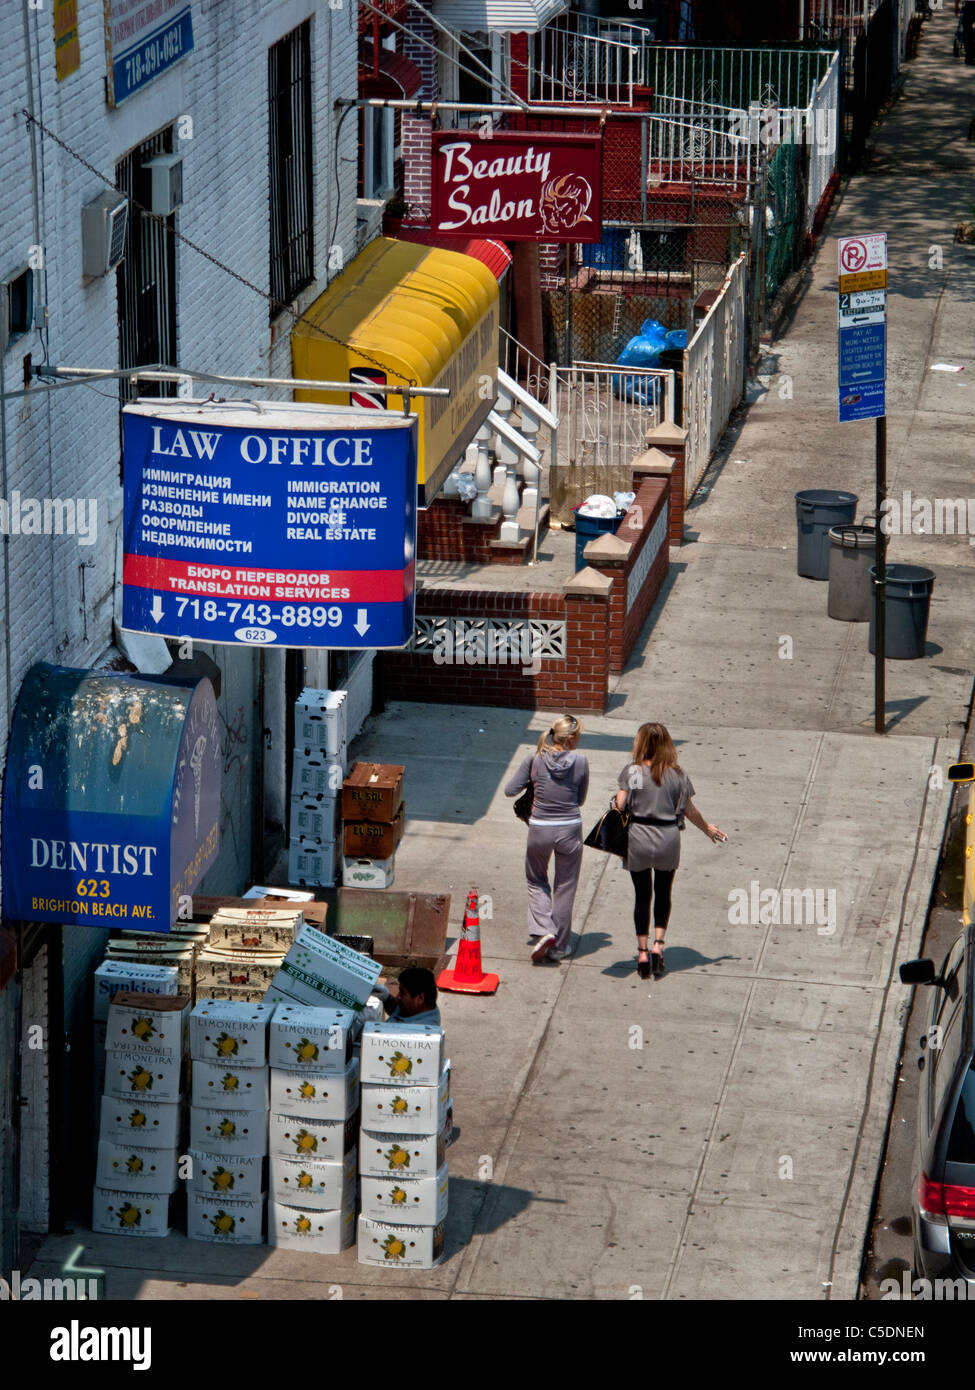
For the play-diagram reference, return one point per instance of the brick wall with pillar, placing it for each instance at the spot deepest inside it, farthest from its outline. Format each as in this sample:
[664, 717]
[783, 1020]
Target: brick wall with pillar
[463, 658]
[671, 441]
[415, 130]
[635, 560]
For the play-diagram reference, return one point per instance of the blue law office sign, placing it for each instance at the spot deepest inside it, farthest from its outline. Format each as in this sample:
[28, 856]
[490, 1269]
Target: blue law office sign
[270, 524]
[143, 39]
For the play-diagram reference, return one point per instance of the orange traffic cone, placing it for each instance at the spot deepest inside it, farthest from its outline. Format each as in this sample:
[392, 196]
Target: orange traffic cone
[467, 977]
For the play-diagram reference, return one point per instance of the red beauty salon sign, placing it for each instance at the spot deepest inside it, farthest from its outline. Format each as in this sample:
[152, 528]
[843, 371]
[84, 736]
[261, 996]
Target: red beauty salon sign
[516, 186]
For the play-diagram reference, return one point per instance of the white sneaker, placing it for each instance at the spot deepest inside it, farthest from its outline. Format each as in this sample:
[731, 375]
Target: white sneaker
[541, 946]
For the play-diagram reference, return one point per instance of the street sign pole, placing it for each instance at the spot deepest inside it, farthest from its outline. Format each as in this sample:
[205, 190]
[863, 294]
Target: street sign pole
[880, 585]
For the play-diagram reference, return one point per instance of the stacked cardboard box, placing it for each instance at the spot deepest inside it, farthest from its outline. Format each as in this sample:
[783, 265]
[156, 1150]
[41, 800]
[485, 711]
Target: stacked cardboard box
[245, 950]
[320, 760]
[313, 1126]
[226, 1186]
[402, 1166]
[374, 817]
[323, 973]
[142, 1114]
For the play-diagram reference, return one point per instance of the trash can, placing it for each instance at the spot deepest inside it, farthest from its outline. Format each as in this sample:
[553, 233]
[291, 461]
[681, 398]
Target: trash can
[852, 551]
[817, 510]
[588, 528]
[907, 607]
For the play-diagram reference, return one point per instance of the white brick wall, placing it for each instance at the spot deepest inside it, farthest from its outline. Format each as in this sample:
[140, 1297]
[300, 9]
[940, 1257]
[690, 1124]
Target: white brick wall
[66, 443]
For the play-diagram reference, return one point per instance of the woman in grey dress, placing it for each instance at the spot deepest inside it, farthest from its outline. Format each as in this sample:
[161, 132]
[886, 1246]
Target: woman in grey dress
[658, 792]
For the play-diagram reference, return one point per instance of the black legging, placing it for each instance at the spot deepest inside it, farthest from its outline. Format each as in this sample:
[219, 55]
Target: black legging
[643, 886]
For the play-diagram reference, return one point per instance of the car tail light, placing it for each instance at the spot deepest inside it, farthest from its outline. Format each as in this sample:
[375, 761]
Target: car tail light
[939, 1200]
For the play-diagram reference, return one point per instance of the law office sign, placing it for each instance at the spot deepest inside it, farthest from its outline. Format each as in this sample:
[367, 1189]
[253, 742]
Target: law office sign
[292, 525]
[143, 38]
[516, 185]
[111, 798]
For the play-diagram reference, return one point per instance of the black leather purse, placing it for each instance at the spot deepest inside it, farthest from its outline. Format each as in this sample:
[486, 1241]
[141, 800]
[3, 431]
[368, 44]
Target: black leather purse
[611, 833]
[523, 806]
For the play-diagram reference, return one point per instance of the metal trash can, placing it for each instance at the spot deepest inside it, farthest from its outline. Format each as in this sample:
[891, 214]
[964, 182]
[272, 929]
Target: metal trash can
[908, 604]
[817, 510]
[588, 528]
[852, 551]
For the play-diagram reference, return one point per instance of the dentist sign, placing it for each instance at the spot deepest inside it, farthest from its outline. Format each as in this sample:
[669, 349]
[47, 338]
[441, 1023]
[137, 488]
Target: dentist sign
[516, 185]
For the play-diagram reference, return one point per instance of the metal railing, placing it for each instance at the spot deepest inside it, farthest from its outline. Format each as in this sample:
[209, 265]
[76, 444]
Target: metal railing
[523, 366]
[735, 77]
[568, 65]
[714, 374]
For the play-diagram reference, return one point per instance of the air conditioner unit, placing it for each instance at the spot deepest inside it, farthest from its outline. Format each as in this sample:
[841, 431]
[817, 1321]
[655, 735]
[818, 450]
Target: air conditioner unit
[103, 227]
[368, 220]
[166, 171]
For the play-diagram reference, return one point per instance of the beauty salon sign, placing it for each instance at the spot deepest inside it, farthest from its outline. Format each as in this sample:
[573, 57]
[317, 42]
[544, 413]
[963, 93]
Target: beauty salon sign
[517, 186]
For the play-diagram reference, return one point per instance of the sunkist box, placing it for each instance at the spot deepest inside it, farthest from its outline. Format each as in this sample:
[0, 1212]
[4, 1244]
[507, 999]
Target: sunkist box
[227, 1174]
[115, 975]
[217, 1085]
[139, 1075]
[416, 1201]
[400, 1247]
[151, 1024]
[153, 1124]
[319, 1039]
[230, 1032]
[307, 1228]
[131, 1214]
[228, 1131]
[407, 1053]
[299, 1136]
[319, 1095]
[407, 1109]
[325, 1186]
[126, 1168]
[321, 971]
[382, 1154]
[225, 1220]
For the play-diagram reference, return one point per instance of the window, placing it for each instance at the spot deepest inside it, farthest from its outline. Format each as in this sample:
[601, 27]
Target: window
[19, 307]
[961, 1145]
[146, 278]
[944, 1060]
[468, 81]
[289, 120]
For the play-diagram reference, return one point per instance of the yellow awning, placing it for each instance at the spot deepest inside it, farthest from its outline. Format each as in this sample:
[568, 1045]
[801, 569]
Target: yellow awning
[422, 316]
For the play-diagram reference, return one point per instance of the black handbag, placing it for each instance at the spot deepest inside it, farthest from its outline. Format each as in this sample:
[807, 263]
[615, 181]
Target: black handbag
[523, 806]
[611, 833]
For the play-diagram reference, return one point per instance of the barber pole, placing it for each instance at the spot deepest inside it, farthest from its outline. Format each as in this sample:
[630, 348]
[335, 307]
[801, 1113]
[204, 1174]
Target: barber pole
[467, 977]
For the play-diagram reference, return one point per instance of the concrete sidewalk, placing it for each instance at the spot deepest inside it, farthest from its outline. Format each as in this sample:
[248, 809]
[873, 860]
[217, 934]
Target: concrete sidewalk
[715, 1134]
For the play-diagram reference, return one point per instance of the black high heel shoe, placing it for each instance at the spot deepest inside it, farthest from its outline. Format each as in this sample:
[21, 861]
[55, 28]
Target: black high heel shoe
[643, 967]
[658, 959]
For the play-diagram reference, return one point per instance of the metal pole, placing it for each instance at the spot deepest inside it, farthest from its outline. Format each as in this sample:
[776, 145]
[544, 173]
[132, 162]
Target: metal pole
[568, 304]
[880, 584]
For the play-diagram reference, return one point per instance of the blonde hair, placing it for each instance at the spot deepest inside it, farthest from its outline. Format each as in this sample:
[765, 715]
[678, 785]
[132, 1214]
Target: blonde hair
[564, 727]
[654, 745]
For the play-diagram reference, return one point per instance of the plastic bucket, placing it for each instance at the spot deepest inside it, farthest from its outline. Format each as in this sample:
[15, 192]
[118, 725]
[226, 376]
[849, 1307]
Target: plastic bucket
[818, 510]
[906, 611]
[852, 551]
[588, 528]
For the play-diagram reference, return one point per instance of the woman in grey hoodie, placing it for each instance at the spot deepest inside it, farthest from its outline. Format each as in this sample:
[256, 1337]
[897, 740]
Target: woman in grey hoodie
[561, 779]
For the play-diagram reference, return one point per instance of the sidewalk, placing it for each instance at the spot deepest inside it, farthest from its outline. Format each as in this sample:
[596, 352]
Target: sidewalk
[716, 1134]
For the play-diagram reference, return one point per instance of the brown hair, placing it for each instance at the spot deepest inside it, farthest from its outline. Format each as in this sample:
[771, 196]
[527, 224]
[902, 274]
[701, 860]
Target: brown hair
[563, 728]
[654, 745]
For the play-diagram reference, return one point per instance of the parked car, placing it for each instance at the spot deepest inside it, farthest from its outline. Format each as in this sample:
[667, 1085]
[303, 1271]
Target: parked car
[943, 1209]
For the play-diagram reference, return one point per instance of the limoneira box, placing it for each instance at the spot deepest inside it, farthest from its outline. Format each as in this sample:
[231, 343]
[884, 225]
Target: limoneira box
[149, 1123]
[153, 1024]
[228, 1131]
[225, 1220]
[321, 971]
[319, 1095]
[407, 1109]
[130, 1075]
[126, 1168]
[400, 1247]
[216, 1085]
[312, 1183]
[404, 1156]
[229, 1174]
[221, 1031]
[408, 1053]
[131, 1214]
[299, 1136]
[319, 1039]
[420, 1201]
[112, 976]
[307, 1228]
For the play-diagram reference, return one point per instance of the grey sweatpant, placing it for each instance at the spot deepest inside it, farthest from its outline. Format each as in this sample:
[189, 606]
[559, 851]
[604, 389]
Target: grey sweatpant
[550, 910]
